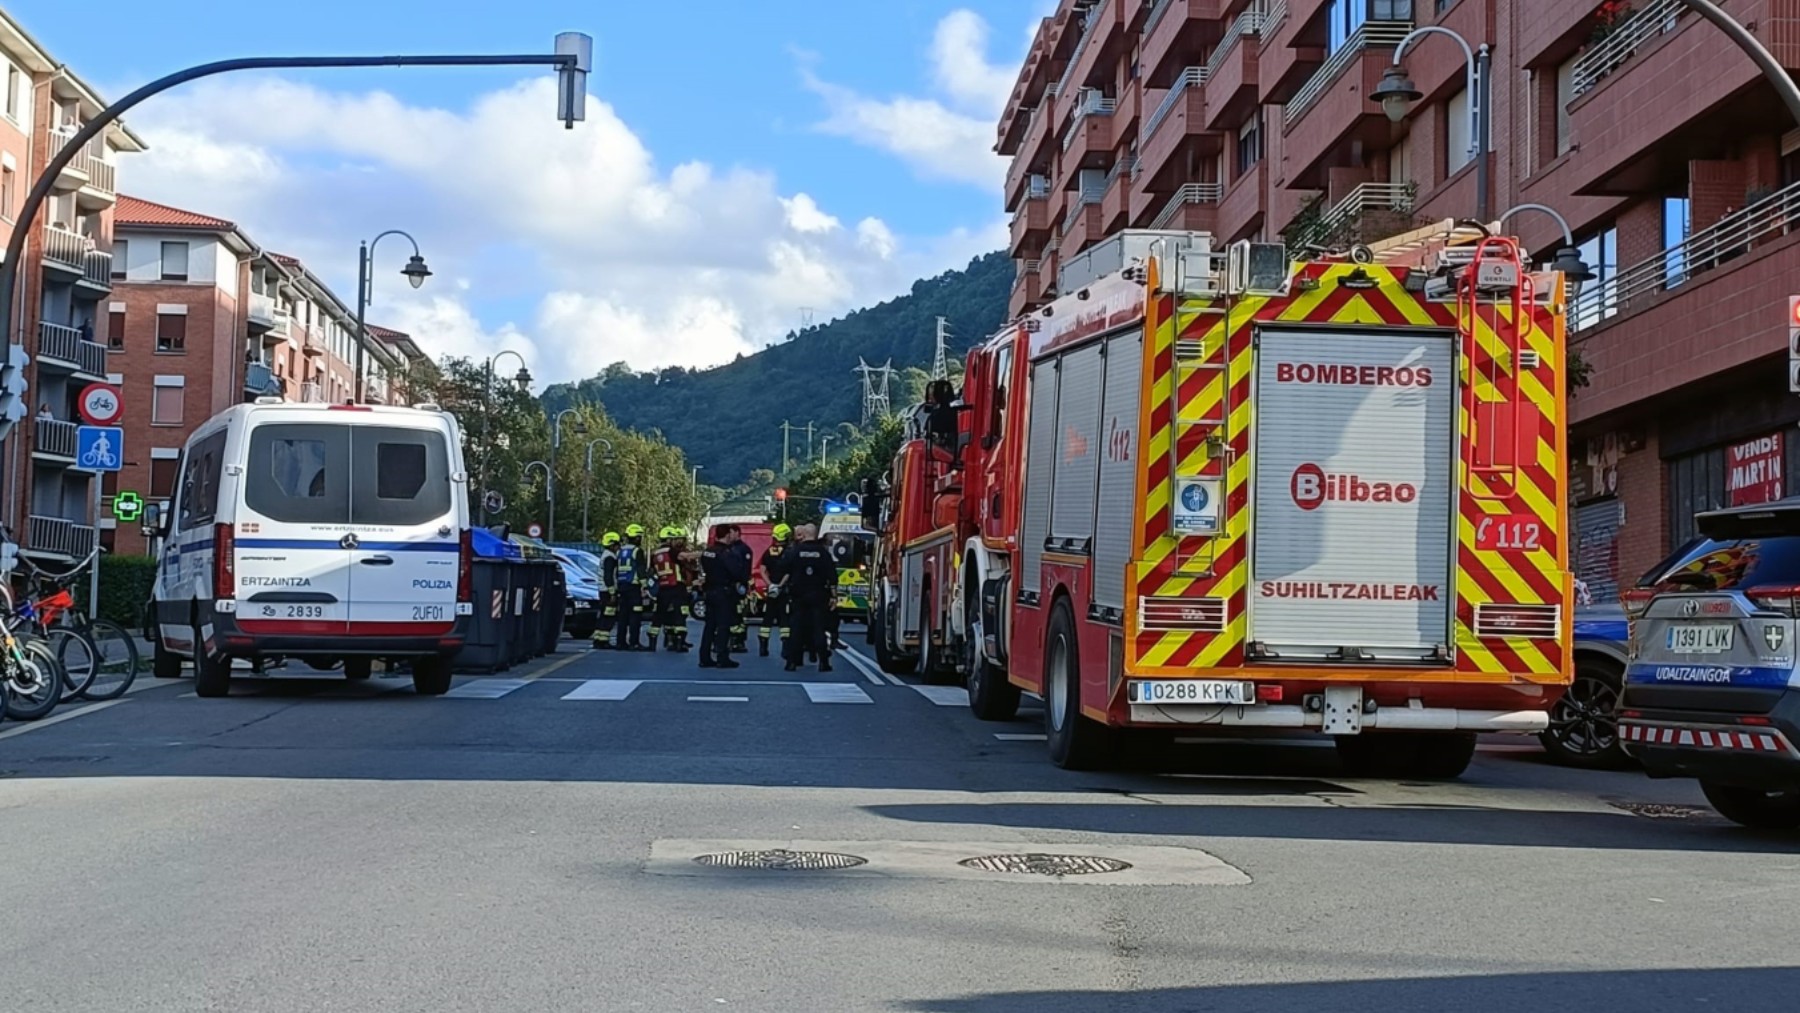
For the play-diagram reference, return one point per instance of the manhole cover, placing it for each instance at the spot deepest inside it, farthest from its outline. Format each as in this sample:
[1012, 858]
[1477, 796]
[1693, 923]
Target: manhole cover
[1046, 865]
[781, 859]
[1658, 811]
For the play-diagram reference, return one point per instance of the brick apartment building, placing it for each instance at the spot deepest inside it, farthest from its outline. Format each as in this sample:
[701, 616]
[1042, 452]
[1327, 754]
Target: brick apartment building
[201, 318]
[64, 274]
[1668, 153]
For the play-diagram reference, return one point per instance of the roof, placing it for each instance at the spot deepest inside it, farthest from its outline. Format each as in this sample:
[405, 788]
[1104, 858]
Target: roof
[136, 212]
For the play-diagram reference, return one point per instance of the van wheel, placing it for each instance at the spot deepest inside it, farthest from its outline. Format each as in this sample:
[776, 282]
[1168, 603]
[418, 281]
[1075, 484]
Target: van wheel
[358, 668]
[212, 671]
[431, 675]
[1077, 742]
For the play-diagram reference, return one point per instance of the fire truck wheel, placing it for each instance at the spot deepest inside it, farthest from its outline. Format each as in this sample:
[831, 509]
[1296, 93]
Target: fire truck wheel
[1077, 742]
[890, 661]
[932, 666]
[991, 696]
[1431, 756]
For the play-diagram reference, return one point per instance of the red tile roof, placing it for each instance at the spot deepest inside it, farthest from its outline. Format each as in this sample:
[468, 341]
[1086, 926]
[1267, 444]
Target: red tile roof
[137, 211]
[387, 333]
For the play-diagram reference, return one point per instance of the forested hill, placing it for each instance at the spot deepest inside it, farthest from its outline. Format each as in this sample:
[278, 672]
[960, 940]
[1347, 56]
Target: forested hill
[728, 418]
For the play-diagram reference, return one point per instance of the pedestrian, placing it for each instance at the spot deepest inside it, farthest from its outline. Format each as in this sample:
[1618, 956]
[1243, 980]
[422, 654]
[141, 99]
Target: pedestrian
[812, 585]
[775, 612]
[609, 591]
[629, 582]
[724, 574]
[670, 616]
[740, 633]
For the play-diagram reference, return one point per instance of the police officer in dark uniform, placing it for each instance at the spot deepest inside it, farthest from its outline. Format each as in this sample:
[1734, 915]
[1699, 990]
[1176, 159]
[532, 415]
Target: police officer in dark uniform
[725, 572]
[811, 587]
[740, 631]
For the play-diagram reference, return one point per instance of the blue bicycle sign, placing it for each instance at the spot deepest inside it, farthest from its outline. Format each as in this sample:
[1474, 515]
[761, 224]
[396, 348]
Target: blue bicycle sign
[100, 448]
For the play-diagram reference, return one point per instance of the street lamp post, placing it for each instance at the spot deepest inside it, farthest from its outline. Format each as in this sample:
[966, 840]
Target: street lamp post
[556, 445]
[547, 481]
[1765, 60]
[415, 271]
[572, 57]
[586, 535]
[1397, 93]
[522, 378]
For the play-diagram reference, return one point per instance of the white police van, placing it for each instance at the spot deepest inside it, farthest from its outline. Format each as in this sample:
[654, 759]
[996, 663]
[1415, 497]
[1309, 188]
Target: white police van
[316, 532]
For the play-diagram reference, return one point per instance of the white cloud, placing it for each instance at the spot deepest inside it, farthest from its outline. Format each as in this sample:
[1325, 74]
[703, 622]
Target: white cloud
[595, 252]
[948, 138]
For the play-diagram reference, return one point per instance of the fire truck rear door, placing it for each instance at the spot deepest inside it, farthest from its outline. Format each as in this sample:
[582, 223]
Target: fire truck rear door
[1353, 494]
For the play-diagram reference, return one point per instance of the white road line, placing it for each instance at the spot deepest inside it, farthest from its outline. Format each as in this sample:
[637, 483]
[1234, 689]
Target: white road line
[603, 689]
[1021, 737]
[896, 680]
[835, 692]
[59, 718]
[719, 699]
[945, 696]
[486, 689]
[856, 661]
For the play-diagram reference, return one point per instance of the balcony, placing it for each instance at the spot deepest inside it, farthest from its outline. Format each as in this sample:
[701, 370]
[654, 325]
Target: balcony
[1034, 157]
[1244, 206]
[91, 178]
[1028, 288]
[58, 538]
[1031, 223]
[261, 381]
[1174, 129]
[260, 314]
[65, 251]
[1088, 142]
[1333, 111]
[53, 440]
[1370, 211]
[1231, 70]
[1115, 205]
[96, 272]
[1081, 226]
[1101, 33]
[1646, 24]
[1194, 206]
[312, 393]
[63, 349]
[1292, 47]
[1174, 32]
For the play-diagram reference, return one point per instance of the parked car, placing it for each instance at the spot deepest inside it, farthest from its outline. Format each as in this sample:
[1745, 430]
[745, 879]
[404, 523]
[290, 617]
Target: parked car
[581, 613]
[317, 532]
[1584, 728]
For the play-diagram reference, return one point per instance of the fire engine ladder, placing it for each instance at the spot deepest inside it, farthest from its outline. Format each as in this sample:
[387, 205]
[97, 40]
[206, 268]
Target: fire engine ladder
[1494, 297]
[1202, 356]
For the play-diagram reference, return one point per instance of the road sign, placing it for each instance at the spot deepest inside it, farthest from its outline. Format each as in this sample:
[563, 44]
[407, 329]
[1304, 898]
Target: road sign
[493, 502]
[128, 506]
[535, 530]
[99, 448]
[101, 404]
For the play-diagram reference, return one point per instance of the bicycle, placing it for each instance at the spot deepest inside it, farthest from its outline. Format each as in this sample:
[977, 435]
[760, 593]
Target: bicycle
[98, 657]
[29, 674]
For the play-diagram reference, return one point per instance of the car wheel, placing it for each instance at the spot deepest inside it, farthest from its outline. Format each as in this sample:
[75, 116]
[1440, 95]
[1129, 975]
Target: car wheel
[431, 675]
[1584, 725]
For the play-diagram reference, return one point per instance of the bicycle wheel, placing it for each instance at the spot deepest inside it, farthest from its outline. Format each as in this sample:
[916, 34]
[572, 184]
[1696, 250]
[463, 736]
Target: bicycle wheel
[33, 680]
[116, 651]
[77, 658]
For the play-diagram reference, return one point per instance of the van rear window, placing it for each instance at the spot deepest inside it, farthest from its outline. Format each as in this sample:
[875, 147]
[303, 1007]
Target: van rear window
[309, 473]
[399, 477]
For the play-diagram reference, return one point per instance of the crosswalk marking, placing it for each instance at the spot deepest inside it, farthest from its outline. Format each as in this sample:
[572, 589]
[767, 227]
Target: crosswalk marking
[603, 689]
[835, 692]
[1021, 737]
[718, 699]
[945, 696]
[486, 689]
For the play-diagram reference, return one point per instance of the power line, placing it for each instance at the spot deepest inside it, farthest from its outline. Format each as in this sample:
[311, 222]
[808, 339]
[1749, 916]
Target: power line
[940, 360]
[874, 389]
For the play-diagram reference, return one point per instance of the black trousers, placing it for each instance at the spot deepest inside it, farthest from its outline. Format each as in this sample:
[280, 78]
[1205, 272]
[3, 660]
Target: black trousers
[721, 613]
[810, 617]
[631, 607]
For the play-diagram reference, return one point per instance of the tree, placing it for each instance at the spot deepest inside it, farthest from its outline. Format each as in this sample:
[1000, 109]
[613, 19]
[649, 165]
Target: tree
[867, 459]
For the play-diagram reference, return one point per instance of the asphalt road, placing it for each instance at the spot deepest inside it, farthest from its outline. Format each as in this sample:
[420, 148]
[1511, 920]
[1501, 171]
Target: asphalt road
[529, 844]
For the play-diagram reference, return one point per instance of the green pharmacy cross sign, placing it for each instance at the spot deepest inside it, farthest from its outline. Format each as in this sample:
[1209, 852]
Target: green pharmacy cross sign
[128, 506]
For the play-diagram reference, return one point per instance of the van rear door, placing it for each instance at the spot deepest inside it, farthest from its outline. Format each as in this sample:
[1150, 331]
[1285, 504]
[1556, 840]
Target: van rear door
[404, 519]
[292, 563]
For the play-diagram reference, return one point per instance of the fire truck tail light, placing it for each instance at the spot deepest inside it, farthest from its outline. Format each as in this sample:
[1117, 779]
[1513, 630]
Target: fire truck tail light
[1268, 694]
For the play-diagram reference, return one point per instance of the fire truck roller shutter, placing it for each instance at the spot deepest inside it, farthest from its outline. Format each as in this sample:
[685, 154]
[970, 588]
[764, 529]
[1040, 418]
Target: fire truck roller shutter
[1077, 450]
[1353, 493]
[1118, 449]
[1040, 452]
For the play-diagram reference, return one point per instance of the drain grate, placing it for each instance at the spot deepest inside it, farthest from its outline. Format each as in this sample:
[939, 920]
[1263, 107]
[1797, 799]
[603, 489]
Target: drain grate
[1037, 864]
[1658, 811]
[781, 859]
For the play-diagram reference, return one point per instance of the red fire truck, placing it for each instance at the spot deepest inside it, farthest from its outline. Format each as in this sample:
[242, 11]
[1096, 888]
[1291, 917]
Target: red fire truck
[1222, 492]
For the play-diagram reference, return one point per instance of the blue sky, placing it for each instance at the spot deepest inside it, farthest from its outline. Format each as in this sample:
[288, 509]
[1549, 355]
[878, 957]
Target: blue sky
[827, 155]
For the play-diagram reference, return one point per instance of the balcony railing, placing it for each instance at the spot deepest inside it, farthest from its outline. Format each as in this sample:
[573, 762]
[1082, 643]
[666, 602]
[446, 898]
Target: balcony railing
[311, 392]
[67, 247]
[96, 268]
[1250, 22]
[58, 536]
[1655, 18]
[1272, 14]
[1089, 195]
[1188, 193]
[1364, 199]
[1092, 104]
[65, 344]
[101, 174]
[1029, 267]
[260, 380]
[1370, 35]
[54, 437]
[1770, 218]
[1192, 77]
[1089, 21]
[1037, 186]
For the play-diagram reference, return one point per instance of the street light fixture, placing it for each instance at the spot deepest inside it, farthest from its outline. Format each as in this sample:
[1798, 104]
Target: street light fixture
[1397, 93]
[550, 481]
[415, 271]
[586, 534]
[522, 378]
[547, 480]
[1568, 256]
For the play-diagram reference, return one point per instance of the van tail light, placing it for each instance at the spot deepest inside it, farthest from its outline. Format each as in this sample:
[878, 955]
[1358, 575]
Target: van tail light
[465, 567]
[224, 562]
[1635, 601]
[1783, 598]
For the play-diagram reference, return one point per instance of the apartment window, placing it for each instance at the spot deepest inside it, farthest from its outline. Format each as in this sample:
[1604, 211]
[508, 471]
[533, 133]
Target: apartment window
[121, 256]
[174, 261]
[171, 331]
[9, 190]
[15, 93]
[1456, 132]
[1565, 93]
[1400, 160]
[1344, 17]
[115, 329]
[1598, 298]
[167, 400]
[1530, 154]
[1250, 143]
[165, 464]
[1677, 221]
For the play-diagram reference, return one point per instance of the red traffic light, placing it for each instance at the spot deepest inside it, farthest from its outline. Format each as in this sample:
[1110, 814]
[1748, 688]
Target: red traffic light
[1794, 311]
[781, 495]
